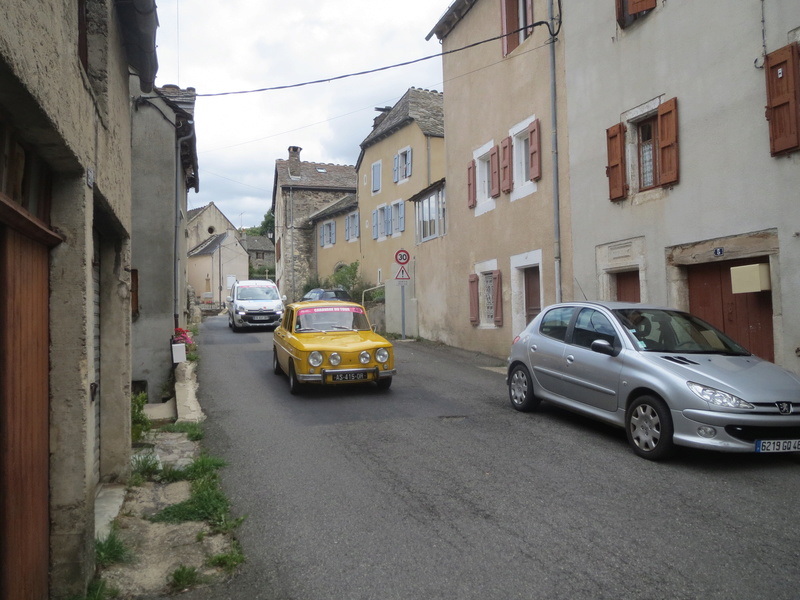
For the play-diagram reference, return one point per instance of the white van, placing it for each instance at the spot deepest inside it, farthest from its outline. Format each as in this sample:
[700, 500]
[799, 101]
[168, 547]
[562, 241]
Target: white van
[254, 303]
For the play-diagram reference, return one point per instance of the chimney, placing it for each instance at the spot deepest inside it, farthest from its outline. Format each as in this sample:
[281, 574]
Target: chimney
[294, 161]
[384, 111]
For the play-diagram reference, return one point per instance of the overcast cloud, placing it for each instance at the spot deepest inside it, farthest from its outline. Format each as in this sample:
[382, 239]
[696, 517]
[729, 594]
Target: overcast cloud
[250, 44]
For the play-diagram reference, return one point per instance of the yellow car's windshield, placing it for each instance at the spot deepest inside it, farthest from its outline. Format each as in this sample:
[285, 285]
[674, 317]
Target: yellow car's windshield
[331, 318]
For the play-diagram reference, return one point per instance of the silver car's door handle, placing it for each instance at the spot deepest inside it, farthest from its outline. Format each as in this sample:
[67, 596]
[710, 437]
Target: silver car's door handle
[534, 348]
[570, 359]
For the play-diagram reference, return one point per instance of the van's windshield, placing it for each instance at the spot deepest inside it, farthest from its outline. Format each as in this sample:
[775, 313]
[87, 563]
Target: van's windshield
[256, 293]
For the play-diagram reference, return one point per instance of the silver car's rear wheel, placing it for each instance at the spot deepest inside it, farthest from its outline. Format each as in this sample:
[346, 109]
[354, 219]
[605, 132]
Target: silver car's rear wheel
[520, 389]
[649, 428]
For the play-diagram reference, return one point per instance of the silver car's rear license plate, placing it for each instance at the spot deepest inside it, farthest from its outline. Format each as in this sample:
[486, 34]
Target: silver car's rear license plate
[777, 445]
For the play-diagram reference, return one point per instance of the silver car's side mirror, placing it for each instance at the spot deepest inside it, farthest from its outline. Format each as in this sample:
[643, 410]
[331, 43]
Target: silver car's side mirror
[603, 347]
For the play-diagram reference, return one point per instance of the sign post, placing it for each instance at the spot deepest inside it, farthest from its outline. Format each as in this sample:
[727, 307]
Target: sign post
[402, 257]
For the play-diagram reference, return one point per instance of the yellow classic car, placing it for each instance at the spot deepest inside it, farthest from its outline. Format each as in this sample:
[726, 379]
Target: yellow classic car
[330, 342]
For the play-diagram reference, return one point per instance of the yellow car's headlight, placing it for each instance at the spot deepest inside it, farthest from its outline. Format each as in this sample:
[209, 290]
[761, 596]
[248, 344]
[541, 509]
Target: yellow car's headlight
[364, 357]
[381, 355]
[315, 359]
[335, 359]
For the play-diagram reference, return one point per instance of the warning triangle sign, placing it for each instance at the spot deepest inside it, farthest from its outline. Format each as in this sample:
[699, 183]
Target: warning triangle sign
[402, 273]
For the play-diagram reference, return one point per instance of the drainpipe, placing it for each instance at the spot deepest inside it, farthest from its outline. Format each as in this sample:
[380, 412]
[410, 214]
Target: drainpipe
[176, 249]
[554, 127]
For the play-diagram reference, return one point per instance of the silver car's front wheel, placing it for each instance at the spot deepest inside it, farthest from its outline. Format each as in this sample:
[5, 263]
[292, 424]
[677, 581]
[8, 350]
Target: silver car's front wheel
[649, 428]
[520, 389]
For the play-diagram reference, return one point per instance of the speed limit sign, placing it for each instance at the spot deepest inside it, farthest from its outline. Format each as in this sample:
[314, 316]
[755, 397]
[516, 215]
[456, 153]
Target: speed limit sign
[402, 257]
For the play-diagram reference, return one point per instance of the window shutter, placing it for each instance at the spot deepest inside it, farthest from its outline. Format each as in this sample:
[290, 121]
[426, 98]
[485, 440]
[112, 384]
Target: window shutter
[498, 298]
[321, 234]
[474, 311]
[333, 232]
[637, 6]
[529, 16]
[615, 171]
[408, 164]
[374, 224]
[506, 175]
[396, 168]
[356, 224]
[347, 227]
[401, 213]
[668, 141]
[507, 13]
[387, 221]
[494, 169]
[471, 190]
[534, 150]
[782, 69]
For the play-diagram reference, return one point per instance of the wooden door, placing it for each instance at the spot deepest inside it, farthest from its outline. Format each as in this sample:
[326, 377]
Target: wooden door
[533, 294]
[24, 417]
[747, 318]
[628, 288]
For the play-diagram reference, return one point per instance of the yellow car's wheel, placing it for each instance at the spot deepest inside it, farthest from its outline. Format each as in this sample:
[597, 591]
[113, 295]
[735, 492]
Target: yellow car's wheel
[294, 385]
[276, 366]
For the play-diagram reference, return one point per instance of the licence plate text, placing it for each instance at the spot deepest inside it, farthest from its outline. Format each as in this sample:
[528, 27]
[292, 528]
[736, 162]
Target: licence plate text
[350, 377]
[777, 445]
[262, 318]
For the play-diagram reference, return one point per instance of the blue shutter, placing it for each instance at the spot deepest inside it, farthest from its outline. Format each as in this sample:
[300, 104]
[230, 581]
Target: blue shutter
[356, 225]
[347, 227]
[374, 224]
[408, 164]
[333, 232]
[395, 171]
[402, 215]
[322, 234]
[387, 220]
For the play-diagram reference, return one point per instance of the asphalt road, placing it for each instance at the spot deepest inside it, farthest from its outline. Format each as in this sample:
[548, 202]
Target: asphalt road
[439, 489]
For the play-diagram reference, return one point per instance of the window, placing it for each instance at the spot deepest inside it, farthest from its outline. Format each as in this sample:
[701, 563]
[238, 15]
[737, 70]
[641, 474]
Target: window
[398, 224]
[554, 324]
[384, 219]
[516, 15]
[402, 165]
[431, 216]
[483, 178]
[630, 10]
[782, 69]
[486, 299]
[525, 159]
[652, 149]
[376, 177]
[327, 234]
[351, 226]
[592, 325]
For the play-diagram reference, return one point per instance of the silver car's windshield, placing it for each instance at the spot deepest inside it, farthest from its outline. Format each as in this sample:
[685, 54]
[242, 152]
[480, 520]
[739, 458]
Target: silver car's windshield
[657, 330]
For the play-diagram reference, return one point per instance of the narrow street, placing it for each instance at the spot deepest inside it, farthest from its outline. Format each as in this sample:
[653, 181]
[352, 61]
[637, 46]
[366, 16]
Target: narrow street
[439, 489]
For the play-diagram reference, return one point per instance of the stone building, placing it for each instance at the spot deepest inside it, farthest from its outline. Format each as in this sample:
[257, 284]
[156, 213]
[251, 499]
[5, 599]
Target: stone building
[300, 190]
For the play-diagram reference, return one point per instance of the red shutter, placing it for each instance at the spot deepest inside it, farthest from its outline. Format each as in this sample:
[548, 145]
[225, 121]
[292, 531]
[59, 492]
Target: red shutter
[498, 298]
[508, 14]
[494, 170]
[668, 141]
[529, 16]
[474, 311]
[615, 171]
[534, 151]
[472, 198]
[637, 6]
[506, 173]
[782, 69]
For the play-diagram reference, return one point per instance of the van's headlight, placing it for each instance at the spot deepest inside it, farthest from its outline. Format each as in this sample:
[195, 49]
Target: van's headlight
[315, 359]
[717, 397]
[381, 355]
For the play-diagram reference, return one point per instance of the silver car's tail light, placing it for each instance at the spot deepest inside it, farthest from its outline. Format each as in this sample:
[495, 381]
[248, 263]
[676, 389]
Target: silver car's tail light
[364, 357]
[717, 397]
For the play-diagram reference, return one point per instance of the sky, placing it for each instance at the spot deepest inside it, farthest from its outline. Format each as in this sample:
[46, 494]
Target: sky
[240, 45]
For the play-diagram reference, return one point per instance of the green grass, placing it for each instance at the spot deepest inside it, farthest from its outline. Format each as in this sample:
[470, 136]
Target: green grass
[146, 465]
[111, 550]
[193, 431]
[230, 560]
[99, 590]
[185, 577]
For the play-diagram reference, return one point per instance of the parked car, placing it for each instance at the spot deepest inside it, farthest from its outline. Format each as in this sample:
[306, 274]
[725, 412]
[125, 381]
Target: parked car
[330, 342]
[254, 303]
[664, 375]
[332, 294]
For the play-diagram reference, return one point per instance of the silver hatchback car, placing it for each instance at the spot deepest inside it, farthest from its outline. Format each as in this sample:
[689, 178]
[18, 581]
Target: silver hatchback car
[663, 375]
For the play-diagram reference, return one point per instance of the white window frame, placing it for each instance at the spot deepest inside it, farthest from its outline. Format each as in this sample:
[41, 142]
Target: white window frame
[352, 227]
[379, 166]
[398, 208]
[632, 118]
[403, 165]
[381, 220]
[432, 211]
[522, 185]
[484, 270]
[483, 179]
[328, 233]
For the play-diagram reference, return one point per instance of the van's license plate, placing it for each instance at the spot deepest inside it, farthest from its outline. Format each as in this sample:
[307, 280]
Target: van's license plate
[777, 445]
[349, 376]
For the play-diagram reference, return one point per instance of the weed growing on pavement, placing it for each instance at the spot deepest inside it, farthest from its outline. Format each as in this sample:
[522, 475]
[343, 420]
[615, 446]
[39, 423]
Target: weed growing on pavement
[144, 466]
[140, 422]
[111, 550]
[185, 577]
[99, 590]
[230, 560]
[193, 431]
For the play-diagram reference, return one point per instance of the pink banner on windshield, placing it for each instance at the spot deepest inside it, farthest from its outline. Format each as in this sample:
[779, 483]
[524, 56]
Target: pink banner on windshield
[331, 309]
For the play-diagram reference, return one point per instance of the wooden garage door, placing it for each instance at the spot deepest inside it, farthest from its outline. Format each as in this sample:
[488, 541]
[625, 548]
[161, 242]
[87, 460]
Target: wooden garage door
[747, 318]
[24, 417]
